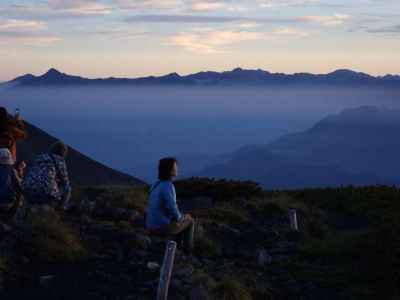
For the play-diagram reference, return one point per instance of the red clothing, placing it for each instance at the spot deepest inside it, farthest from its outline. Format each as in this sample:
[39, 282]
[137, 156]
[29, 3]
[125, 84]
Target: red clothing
[11, 131]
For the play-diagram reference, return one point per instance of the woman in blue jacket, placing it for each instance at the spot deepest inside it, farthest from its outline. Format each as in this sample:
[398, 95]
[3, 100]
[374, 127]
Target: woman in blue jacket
[162, 214]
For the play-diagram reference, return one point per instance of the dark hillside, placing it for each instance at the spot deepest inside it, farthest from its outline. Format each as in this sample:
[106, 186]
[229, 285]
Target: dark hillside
[347, 246]
[82, 169]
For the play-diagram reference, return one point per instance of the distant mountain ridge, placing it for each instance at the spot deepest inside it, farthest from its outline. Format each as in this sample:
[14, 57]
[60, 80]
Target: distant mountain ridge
[358, 146]
[237, 76]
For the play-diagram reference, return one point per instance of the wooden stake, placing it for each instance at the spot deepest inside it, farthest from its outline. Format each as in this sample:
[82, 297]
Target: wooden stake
[166, 271]
[293, 219]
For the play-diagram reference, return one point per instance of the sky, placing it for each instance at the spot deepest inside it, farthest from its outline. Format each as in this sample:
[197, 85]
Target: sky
[133, 38]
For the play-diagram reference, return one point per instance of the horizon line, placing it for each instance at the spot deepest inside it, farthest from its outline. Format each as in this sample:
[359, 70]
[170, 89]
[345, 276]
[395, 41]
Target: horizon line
[192, 73]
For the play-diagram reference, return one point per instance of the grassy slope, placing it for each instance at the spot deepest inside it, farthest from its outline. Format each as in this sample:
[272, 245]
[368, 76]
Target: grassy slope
[348, 247]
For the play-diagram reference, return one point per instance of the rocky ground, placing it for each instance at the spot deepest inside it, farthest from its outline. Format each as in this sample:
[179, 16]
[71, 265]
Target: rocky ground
[100, 250]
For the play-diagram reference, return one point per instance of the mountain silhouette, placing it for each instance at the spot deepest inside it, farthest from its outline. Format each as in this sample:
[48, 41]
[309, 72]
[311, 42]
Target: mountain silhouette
[357, 146]
[357, 140]
[82, 169]
[237, 76]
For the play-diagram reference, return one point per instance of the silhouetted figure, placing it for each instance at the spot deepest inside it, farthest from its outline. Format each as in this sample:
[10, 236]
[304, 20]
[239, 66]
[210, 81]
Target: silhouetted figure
[47, 181]
[20, 167]
[162, 214]
[10, 186]
[12, 129]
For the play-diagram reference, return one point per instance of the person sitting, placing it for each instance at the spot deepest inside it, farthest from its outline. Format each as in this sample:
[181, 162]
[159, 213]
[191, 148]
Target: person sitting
[10, 186]
[162, 214]
[20, 167]
[47, 181]
[12, 129]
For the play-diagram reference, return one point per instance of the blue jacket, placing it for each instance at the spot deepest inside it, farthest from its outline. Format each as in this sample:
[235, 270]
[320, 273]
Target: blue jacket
[162, 208]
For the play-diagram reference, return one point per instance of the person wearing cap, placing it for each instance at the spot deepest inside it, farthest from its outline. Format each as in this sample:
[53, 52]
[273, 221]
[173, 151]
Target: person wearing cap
[46, 181]
[10, 185]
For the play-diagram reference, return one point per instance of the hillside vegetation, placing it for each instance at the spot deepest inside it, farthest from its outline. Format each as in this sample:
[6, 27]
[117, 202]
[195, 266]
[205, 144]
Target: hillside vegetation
[347, 247]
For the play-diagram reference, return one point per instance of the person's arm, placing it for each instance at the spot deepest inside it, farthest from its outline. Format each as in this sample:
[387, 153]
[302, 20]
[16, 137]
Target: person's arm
[64, 178]
[169, 197]
[17, 182]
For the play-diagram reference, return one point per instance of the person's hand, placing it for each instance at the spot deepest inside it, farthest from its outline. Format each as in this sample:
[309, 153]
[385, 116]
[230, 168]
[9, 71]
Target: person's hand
[189, 217]
[22, 165]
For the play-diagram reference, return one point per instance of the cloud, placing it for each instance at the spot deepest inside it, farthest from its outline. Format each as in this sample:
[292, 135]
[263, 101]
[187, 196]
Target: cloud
[180, 5]
[18, 38]
[207, 5]
[115, 33]
[57, 9]
[213, 41]
[280, 3]
[195, 18]
[25, 32]
[336, 19]
[248, 25]
[214, 5]
[21, 25]
[388, 29]
[287, 31]
[80, 7]
[216, 41]
[182, 19]
[147, 4]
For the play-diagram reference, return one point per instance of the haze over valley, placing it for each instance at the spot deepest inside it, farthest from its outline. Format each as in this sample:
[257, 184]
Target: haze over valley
[129, 127]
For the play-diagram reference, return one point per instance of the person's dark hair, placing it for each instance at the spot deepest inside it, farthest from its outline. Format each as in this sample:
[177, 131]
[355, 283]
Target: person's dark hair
[18, 164]
[59, 148]
[3, 113]
[165, 168]
[3, 118]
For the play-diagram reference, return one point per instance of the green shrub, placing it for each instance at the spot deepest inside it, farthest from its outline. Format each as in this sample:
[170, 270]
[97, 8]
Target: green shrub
[48, 239]
[206, 247]
[3, 264]
[135, 198]
[124, 197]
[380, 258]
[219, 190]
[227, 213]
[201, 277]
[231, 289]
[337, 247]
[265, 208]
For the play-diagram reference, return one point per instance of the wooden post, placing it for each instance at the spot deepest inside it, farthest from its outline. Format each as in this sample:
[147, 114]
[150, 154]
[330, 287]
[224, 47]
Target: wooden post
[293, 219]
[190, 241]
[166, 271]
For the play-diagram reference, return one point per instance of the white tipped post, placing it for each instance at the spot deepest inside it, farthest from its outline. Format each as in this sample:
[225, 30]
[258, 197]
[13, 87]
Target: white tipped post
[166, 271]
[293, 219]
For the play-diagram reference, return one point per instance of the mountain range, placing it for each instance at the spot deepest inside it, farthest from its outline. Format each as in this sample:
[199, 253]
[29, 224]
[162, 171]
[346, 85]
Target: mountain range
[237, 76]
[82, 169]
[358, 146]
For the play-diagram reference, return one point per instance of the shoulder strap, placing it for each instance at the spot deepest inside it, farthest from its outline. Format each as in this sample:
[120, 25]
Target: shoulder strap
[154, 186]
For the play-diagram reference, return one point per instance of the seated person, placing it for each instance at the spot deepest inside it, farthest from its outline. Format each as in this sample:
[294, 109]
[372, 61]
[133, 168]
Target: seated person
[12, 129]
[20, 167]
[46, 181]
[10, 186]
[162, 214]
